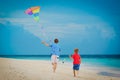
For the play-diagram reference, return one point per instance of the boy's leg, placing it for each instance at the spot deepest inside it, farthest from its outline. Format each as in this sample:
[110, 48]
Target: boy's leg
[76, 70]
[74, 73]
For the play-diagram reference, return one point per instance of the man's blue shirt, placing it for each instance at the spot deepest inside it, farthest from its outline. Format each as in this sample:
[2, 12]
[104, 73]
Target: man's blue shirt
[55, 49]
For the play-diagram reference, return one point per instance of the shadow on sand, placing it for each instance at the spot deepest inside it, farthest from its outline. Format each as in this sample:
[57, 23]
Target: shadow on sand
[109, 74]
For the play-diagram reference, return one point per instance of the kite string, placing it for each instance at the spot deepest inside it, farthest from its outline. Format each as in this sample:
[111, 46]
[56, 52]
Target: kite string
[44, 36]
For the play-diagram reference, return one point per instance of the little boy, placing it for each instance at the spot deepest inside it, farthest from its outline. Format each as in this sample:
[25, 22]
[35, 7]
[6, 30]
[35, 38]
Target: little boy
[76, 62]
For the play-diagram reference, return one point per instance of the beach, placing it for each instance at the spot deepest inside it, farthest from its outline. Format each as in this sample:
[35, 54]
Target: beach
[20, 69]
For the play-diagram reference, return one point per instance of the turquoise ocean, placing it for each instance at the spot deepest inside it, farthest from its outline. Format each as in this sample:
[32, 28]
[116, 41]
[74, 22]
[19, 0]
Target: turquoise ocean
[111, 61]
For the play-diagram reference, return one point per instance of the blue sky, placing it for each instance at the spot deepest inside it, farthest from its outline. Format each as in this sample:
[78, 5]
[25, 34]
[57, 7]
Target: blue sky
[90, 25]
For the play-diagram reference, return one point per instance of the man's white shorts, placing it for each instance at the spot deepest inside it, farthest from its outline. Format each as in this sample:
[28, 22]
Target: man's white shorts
[54, 59]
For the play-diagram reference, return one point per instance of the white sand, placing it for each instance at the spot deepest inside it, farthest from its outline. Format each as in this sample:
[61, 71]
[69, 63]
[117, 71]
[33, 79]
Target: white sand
[16, 69]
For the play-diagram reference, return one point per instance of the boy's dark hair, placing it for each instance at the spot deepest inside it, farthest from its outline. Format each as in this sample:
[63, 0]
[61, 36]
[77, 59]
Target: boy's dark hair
[76, 50]
[56, 40]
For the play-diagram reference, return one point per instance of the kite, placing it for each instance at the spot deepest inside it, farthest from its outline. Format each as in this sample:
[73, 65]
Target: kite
[34, 11]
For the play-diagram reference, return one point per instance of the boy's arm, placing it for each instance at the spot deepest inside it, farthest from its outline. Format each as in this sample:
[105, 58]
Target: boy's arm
[46, 44]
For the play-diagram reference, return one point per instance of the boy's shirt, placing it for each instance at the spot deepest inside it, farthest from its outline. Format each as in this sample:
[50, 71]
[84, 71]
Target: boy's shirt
[55, 49]
[76, 58]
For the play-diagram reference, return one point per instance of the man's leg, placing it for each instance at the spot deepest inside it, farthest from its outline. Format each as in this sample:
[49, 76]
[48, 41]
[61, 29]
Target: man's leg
[55, 66]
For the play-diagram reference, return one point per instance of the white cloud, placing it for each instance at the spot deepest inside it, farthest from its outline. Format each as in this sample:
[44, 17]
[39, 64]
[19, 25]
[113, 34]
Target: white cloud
[108, 33]
[61, 30]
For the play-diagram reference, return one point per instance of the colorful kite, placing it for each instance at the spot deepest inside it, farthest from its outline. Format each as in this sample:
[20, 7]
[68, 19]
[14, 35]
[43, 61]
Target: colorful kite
[34, 11]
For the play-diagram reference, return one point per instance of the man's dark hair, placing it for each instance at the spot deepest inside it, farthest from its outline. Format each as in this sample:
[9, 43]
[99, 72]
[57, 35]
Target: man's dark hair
[56, 40]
